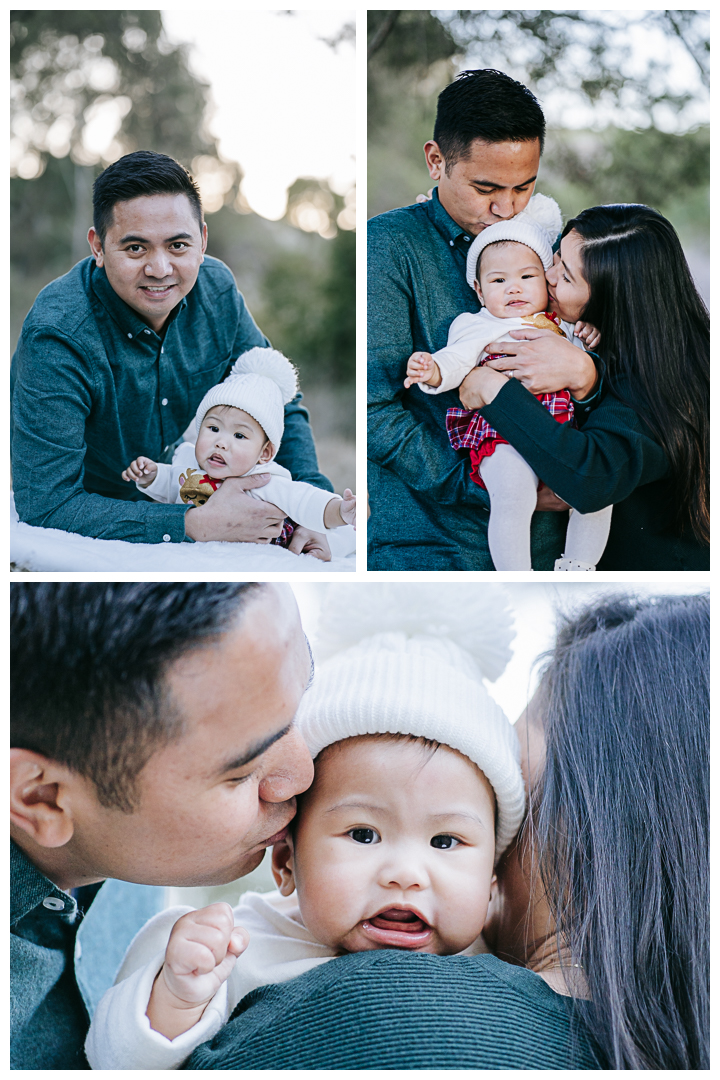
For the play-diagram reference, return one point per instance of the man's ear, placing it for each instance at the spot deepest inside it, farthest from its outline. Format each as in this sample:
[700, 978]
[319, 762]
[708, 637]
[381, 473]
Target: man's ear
[204, 234]
[95, 246]
[282, 866]
[434, 159]
[39, 802]
[266, 453]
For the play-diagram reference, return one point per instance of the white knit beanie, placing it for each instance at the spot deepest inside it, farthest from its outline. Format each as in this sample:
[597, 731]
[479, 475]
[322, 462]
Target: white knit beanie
[537, 226]
[261, 382]
[410, 659]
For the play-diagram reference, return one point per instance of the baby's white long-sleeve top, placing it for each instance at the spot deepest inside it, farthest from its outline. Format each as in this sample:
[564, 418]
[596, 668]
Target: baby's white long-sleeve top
[302, 502]
[280, 948]
[468, 336]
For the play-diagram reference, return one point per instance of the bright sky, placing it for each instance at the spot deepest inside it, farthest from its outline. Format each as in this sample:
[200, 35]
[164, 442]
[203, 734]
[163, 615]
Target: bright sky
[649, 46]
[534, 605]
[285, 100]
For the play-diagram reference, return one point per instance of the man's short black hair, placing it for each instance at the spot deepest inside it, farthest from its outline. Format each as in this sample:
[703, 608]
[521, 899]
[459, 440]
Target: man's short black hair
[485, 104]
[88, 664]
[141, 173]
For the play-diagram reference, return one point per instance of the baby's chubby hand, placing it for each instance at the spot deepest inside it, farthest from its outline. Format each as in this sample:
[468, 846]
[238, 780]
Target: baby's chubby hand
[200, 955]
[142, 470]
[347, 507]
[589, 334]
[421, 368]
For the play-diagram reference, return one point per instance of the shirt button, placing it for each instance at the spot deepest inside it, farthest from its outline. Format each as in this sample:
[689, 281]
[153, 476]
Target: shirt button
[164, 401]
[147, 331]
[167, 538]
[452, 244]
[78, 949]
[466, 237]
[162, 349]
[130, 335]
[52, 903]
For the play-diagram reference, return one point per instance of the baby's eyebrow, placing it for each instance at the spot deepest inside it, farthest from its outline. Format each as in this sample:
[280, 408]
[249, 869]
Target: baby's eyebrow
[464, 814]
[356, 805]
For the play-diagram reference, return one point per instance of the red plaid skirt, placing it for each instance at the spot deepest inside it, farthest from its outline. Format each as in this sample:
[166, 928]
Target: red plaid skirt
[466, 428]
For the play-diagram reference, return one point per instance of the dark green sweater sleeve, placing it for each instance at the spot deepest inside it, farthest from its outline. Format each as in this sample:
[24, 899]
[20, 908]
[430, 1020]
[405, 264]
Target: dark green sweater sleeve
[592, 467]
[391, 1010]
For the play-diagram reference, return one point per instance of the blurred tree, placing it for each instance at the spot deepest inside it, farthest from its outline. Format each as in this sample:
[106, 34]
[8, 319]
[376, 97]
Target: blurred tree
[579, 51]
[86, 88]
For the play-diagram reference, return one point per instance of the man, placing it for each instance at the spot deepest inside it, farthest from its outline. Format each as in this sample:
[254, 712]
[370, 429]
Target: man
[426, 512]
[114, 358]
[152, 742]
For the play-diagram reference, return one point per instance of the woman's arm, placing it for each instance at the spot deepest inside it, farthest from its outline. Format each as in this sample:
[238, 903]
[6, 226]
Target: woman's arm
[544, 363]
[591, 468]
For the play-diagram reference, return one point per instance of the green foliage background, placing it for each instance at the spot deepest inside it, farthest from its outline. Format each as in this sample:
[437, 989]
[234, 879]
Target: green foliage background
[414, 54]
[300, 287]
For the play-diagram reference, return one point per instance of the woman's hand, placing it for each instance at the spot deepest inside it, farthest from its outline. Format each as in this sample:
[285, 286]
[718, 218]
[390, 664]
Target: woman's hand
[544, 363]
[480, 386]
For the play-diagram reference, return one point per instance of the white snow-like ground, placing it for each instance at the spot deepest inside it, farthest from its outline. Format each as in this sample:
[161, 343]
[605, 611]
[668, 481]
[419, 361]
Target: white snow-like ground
[49, 550]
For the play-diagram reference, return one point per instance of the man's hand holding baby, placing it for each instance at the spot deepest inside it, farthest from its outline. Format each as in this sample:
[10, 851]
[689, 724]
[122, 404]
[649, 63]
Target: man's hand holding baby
[200, 955]
[544, 363]
[142, 471]
[421, 368]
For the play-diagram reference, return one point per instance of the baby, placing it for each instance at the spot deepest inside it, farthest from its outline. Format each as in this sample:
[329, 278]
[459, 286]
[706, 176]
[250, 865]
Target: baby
[393, 846]
[506, 267]
[239, 426]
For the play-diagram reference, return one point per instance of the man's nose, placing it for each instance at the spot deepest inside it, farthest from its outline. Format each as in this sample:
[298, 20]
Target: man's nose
[502, 205]
[158, 265]
[290, 768]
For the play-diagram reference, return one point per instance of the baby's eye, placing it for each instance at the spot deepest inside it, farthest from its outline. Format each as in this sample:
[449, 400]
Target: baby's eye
[365, 836]
[239, 435]
[444, 841]
[213, 427]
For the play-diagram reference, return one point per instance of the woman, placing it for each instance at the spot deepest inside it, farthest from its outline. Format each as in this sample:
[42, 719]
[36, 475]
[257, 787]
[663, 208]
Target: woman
[615, 748]
[643, 441]
[604, 899]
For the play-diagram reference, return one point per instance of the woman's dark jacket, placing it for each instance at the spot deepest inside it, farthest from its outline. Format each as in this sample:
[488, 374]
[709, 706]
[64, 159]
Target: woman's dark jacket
[610, 459]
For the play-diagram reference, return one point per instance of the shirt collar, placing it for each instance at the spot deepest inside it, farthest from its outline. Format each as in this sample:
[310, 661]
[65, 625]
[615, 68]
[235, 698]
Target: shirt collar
[449, 229]
[128, 320]
[29, 888]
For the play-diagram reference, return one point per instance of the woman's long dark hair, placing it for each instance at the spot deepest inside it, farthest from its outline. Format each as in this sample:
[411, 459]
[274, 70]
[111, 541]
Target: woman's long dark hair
[655, 341]
[621, 825]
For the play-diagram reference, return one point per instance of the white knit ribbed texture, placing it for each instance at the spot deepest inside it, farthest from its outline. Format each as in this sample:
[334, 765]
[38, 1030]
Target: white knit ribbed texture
[261, 383]
[536, 226]
[418, 679]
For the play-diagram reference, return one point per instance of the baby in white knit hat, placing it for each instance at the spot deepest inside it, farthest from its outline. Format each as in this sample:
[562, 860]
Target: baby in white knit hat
[506, 267]
[239, 425]
[417, 793]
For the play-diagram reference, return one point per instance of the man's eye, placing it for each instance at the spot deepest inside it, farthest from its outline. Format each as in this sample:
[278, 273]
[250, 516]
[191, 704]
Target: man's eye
[444, 841]
[179, 245]
[365, 836]
[134, 248]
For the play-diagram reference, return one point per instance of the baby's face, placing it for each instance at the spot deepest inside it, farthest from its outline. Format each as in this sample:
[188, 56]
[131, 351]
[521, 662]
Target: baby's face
[230, 443]
[393, 848]
[512, 281]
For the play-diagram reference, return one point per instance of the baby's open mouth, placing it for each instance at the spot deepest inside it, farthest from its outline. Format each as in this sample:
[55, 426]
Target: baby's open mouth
[216, 460]
[398, 928]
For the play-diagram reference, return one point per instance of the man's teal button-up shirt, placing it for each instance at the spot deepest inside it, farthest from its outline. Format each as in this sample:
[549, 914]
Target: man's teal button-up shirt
[427, 514]
[93, 387]
[64, 953]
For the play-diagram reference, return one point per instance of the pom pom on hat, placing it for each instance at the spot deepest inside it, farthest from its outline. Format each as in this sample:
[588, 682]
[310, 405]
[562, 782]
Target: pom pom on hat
[536, 226]
[271, 364]
[261, 382]
[410, 659]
